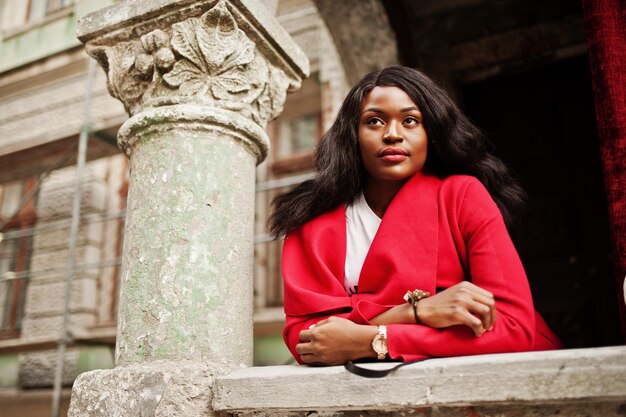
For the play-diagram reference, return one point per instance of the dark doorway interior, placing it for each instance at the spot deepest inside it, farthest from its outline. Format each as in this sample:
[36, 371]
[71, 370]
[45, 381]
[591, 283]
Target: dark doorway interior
[543, 125]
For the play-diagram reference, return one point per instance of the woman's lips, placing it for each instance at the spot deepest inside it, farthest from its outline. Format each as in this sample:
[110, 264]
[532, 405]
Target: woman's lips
[393, 155]
[394, 158]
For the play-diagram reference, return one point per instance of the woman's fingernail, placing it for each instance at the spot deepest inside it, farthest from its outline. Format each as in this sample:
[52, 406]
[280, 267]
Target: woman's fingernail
[311, 326]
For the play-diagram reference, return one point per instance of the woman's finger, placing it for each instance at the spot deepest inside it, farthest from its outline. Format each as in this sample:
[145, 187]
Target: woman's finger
[482, 311]
[473, 323]
[305, 335]
[476, 289]
[477, 301]
[461, 315]
[487, 310]
[493, 318]
[304, 349]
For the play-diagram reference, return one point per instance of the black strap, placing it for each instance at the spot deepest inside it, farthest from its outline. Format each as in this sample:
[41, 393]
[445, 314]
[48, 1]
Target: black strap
[375, 373]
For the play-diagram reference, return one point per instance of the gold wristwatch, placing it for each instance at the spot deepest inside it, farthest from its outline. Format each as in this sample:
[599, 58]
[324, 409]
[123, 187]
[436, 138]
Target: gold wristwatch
[379, 343]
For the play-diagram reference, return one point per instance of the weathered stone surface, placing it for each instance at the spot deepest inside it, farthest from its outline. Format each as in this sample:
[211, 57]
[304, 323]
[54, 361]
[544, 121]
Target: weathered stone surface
[582, 409]
[206, 59]
[160, 389]
[198, 122]
[57, 259]
[50, 326]
[186, 274]
[40, 295]
[120, 22]
[362, 35]
[57, 238]
[57, 192]
[200, 80]
[37, 368]
[305, 24]
[34, 117]
[496, 382]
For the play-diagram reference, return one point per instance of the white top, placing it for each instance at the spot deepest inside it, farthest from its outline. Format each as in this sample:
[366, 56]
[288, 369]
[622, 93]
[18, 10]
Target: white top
[361, 227]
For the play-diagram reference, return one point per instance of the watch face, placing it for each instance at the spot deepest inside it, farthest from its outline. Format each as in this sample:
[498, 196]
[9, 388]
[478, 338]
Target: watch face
[379, 344]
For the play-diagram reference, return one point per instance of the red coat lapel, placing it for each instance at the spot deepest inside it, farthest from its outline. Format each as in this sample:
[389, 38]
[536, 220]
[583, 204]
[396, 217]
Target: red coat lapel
[403, 255]
[313, 265]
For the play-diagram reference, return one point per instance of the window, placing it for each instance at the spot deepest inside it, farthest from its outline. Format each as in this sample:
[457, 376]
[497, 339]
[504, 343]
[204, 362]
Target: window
[17, 213]
[297, 135]
[17, 13]
[54, 5]
[39, 9]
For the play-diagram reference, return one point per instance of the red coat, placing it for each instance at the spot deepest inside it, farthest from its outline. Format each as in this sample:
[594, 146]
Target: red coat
[434, 234]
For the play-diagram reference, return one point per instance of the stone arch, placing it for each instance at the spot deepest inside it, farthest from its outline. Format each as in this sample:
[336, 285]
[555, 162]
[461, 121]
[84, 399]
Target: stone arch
[362, 35]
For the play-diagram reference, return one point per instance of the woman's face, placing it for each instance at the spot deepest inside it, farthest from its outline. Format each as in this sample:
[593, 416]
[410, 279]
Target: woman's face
[392, 138]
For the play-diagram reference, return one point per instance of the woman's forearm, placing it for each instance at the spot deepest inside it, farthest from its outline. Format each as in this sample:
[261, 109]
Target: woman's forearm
[334, 341]
[400, 314]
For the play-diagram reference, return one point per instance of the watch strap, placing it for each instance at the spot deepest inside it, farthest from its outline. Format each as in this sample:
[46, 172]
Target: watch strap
[374, 373]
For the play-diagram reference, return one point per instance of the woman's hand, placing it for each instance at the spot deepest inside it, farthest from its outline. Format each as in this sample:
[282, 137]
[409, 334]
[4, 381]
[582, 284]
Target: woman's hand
[335, 341]
[463, 303]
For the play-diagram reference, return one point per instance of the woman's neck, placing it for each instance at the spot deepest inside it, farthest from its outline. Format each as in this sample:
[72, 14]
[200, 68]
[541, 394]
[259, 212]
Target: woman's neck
[379, 193]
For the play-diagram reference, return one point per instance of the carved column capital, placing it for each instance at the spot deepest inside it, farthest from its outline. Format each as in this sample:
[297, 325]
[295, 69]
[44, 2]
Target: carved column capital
[215, 54]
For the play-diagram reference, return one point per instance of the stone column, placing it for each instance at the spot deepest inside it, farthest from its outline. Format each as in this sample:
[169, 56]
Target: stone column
[200, 79]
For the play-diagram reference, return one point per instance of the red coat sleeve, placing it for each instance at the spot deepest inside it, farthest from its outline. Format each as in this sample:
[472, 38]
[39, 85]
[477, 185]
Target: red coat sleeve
[313, 275]
[493, 265]
[457, 231]
[360, 314]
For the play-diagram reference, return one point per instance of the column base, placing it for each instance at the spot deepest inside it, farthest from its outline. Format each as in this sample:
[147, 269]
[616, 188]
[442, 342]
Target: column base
[160, 388]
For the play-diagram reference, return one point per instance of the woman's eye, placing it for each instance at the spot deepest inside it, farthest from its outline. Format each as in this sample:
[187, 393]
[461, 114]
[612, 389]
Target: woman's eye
[373, 121]
[411, 120]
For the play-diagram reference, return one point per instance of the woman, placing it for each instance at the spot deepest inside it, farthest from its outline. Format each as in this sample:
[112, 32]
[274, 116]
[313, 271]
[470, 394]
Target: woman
[406, 202]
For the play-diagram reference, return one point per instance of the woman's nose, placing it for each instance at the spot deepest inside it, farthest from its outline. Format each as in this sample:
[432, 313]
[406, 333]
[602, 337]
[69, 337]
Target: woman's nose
[392, 134]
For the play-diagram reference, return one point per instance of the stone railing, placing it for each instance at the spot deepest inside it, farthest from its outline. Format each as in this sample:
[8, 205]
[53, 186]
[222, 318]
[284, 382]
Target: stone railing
[566, 383]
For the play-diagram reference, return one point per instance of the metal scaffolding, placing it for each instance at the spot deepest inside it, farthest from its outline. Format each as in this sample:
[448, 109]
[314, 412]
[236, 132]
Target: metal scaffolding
[64, 337]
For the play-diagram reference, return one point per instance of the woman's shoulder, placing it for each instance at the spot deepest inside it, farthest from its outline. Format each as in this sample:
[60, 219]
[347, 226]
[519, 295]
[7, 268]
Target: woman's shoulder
[460, 185]
[328, 219]
[459, 181]
[466, 193]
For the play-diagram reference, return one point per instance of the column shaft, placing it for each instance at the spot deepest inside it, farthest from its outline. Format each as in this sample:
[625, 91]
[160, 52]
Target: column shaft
[187, 264]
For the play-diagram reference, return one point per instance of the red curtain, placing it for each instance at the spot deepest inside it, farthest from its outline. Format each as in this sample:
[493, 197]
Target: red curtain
[605, 24]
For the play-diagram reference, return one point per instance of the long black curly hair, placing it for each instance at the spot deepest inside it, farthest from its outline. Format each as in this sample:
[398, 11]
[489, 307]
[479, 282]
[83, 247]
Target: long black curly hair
[455, 146]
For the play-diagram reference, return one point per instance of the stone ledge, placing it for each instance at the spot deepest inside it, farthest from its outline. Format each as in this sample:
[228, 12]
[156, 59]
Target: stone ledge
[588, 376]
[156, 389]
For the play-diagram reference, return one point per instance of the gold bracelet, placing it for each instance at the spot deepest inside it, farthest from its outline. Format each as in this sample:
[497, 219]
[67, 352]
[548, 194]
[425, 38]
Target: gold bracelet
[412, 297]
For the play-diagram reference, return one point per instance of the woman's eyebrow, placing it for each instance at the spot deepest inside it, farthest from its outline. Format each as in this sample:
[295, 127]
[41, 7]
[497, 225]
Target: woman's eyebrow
[404, 110]
[373, 109]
